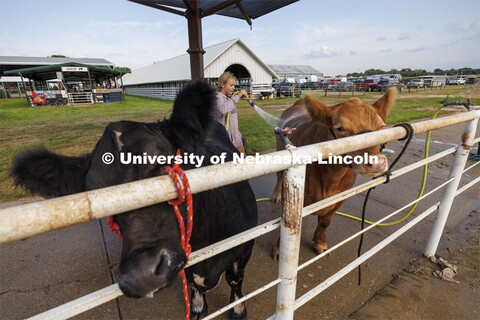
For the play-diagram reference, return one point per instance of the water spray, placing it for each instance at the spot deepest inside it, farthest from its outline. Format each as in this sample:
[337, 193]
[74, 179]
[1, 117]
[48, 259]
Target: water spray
[270, 119]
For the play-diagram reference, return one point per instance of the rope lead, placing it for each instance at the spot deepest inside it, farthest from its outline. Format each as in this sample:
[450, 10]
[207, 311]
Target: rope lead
[408, 127]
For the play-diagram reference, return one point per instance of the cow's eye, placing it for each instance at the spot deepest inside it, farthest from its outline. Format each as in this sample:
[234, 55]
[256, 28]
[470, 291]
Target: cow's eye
[340, 129]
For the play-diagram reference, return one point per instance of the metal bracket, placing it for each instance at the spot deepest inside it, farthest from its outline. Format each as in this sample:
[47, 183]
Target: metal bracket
[284, 133]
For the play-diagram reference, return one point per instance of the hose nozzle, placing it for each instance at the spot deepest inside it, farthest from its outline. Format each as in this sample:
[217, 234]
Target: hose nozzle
[284, 133]
[460, 103]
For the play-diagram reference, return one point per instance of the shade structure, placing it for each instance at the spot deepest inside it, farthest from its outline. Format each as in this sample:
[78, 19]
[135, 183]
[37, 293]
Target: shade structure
[49, 72]
[195, 10]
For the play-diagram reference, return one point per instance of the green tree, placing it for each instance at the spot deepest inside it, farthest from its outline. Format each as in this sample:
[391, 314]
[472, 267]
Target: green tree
[406, 72]
[124, 68]
[371, 72]
[465, 71]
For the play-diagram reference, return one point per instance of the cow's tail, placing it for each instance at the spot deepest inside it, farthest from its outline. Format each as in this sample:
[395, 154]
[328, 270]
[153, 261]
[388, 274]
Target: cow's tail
[49, 174]
[192, 114]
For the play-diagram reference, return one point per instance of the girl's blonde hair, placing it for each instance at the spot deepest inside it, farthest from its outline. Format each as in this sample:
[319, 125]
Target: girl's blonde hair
[224, 77]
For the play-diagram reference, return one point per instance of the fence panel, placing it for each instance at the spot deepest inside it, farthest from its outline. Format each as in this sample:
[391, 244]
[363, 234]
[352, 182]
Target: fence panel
[31, 219]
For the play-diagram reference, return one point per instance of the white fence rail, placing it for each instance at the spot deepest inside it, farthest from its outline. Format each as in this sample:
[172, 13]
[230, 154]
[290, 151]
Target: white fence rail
[35, 218]
[80, 98]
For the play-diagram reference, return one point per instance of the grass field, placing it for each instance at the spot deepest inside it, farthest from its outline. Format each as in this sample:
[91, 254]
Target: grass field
[75, 130]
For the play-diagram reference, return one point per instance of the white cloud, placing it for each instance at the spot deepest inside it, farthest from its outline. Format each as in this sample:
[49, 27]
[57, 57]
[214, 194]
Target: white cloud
[475, 25]
[404, 36]
[125, 24]
[416, 49]
[323, 52]
[456, 27]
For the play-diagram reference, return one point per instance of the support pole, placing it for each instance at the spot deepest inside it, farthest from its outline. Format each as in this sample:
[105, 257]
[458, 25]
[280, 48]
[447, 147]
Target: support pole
[195, 42]
[4, 91]
[290, 232]
[123, 90]
[449, 193]
[19, 89]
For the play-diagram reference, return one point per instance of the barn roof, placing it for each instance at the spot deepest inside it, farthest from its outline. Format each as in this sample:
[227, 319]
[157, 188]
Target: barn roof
[294, 70]
[178, 68]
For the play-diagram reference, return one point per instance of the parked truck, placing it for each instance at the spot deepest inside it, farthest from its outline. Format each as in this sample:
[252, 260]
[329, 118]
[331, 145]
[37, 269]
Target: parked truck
[369, 84]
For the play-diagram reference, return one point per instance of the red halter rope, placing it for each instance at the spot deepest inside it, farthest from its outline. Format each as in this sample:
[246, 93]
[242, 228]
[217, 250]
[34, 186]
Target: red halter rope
[114, 227]
[184, 192]
[184, 235]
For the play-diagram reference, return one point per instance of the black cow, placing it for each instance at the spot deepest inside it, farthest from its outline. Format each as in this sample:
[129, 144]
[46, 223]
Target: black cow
[152, 255]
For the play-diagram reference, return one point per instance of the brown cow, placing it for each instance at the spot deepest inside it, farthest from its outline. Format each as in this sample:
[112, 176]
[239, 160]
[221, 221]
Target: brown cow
[315, 122]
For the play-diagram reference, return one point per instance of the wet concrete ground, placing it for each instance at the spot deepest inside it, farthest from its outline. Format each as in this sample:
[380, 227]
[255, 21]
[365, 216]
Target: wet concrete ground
[48, 270]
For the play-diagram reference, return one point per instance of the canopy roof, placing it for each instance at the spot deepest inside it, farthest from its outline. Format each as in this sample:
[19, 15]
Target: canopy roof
[240, 9]
[44, 73]
[19, 62]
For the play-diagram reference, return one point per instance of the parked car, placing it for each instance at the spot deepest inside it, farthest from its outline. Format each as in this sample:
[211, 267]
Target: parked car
[416, 83]
[458, 80]
[383, 85]
[286, 89]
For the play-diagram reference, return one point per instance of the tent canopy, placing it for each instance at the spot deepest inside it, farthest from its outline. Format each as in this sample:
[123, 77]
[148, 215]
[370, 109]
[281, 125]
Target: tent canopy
[78, 72]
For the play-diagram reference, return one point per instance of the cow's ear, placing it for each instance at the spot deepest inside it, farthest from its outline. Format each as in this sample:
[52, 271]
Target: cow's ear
[383, 105]
[318, 111]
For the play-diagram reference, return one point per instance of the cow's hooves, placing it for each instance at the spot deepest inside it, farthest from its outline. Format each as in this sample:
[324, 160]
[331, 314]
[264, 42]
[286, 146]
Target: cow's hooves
[199, 315]
[275, 253]
[276, 199]
[233, 315]
[319, 248]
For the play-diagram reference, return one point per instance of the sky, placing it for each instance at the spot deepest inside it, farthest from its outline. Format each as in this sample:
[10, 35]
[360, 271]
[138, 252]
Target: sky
[334, 36]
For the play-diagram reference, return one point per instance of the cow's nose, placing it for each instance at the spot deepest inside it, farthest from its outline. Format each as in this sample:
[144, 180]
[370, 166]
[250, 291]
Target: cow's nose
[376, 167]
[128, 290]
[149, 271]
[162, 264]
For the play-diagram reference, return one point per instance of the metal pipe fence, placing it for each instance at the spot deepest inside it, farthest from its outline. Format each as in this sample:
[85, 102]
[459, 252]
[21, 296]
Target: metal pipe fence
[35, 218]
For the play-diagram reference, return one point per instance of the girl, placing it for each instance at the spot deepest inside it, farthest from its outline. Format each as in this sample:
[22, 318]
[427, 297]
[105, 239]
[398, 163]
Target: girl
[226, 104]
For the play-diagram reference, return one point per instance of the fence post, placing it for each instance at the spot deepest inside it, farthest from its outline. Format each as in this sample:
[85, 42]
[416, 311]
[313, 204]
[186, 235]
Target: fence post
[290, 232]
[449, 193]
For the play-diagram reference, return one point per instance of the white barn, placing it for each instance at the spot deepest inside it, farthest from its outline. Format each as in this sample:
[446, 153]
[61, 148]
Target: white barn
[166, 78]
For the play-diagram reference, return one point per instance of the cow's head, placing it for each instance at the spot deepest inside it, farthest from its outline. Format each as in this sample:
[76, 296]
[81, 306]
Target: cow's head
[353, 117]
[151, 254]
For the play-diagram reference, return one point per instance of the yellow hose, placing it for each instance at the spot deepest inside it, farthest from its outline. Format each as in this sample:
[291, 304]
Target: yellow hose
[424, 180]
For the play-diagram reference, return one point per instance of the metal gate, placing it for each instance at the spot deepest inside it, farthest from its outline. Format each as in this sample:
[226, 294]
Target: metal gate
[35, 218]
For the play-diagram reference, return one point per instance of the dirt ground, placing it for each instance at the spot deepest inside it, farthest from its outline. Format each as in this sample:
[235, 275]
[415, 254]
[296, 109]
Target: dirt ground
[415, 293]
